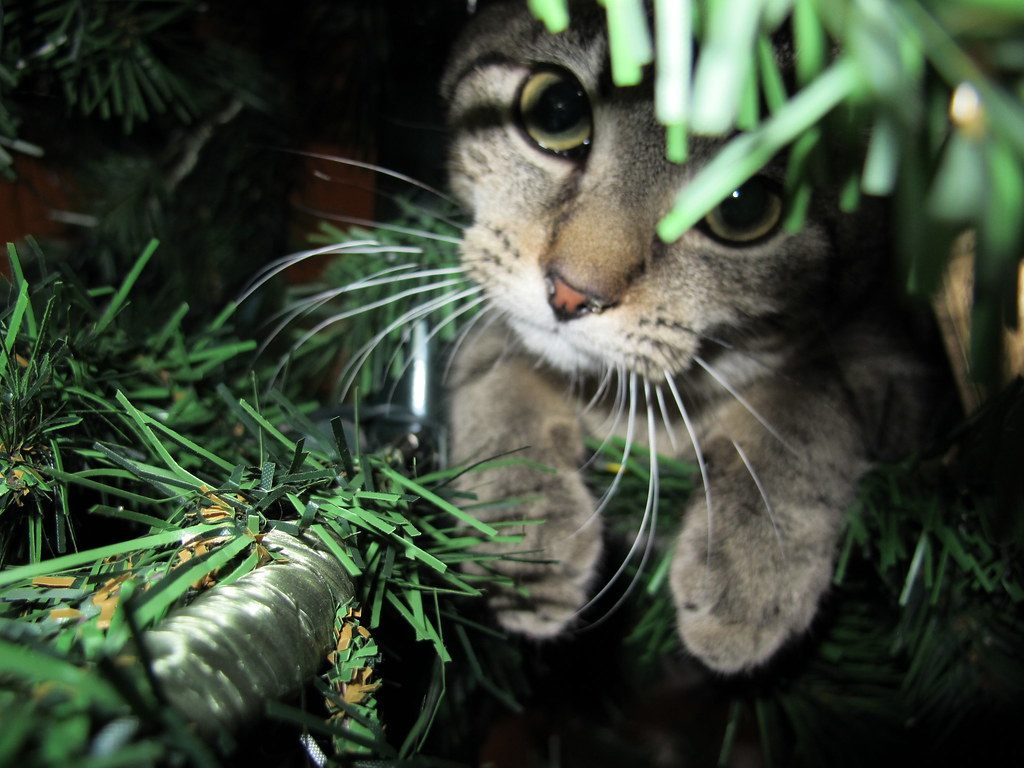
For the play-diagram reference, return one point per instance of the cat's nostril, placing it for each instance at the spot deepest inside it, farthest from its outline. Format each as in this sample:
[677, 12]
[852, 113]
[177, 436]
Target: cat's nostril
[568, 302]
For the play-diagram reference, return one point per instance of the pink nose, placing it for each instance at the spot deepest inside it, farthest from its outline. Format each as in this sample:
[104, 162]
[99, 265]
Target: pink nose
[564, 299]
[568, 302]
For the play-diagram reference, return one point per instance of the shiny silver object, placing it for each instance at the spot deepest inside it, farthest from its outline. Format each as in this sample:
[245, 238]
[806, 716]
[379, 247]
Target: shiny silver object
[260, 638]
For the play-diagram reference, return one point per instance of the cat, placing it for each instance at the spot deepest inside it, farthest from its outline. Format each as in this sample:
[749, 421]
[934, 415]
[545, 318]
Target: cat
[773, 358]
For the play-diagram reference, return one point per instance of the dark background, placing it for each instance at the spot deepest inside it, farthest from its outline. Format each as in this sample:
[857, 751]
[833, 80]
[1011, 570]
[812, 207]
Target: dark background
[347, 78]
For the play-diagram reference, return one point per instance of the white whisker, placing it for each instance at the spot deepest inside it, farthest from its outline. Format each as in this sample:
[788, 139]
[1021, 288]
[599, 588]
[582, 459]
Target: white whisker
[664, 417]
[606, 497]
[647, 522]
[351, 370]
[701, 463]
[331, 293]
[743, 401]
[376, 169]
[616, 416]
[464, 334]
[375, 250]
[312, 303]
[423, 234]
[574, 382]
[511, 343]
[334, 319]
[402, 201]
[761, 490]
[602, 387]
[277, 266]
[455, 315]
[620, 396]
[341, 316]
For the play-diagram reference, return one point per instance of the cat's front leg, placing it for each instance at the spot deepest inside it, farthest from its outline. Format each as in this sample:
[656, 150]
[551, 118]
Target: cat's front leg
[500, 404]
[753, 560]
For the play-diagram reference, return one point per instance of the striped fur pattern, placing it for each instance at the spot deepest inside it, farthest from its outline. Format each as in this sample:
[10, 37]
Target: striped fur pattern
[774, 361]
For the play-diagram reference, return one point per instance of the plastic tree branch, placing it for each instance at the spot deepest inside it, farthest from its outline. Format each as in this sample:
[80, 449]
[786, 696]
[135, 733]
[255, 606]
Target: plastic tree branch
[241, 644]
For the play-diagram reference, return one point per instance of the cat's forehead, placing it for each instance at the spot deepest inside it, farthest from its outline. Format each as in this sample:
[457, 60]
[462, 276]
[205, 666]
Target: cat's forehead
[509, 36]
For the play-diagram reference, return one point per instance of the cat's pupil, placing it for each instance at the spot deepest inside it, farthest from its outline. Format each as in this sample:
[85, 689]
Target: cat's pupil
[559, 108]
[750, 213]
[746, 206]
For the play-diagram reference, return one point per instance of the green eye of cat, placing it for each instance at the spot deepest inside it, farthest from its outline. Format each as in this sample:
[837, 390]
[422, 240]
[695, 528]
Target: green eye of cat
[750, 213]
[554, 111]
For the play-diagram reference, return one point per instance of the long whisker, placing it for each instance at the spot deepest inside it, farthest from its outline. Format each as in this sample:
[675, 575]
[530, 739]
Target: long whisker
[511, 344]
[626, 451]
[334, 319]
[330, 293]
[464, 334]
[620, 396]
[664, 417]
[743, 401]
[387, 277]
[701, 463]
[650, 507]
[353, 247]
[574, 383]
[268, 270]
[314, 302]
[400, 199]
[455, 315]
[421, 310]
[369, 223]
[616, 416]
[602, 387]
[376, 169]
[761, 490]
[648, 524]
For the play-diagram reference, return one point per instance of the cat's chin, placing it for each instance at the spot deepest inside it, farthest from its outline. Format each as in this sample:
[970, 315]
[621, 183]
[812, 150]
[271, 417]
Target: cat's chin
[555, 349]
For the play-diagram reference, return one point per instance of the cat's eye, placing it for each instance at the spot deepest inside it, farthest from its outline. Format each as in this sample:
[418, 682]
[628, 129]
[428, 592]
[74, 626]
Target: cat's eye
[750, 213]
[554, 112]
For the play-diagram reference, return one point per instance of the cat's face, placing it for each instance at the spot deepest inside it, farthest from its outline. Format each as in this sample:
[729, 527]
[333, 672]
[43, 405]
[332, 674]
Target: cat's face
[566, 179]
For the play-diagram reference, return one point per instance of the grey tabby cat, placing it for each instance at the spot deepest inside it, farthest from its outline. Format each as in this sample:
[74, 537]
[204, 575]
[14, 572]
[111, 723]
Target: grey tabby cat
[772, 356]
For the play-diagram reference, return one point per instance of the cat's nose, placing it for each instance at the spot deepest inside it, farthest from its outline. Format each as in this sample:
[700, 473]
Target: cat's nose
[569, 302]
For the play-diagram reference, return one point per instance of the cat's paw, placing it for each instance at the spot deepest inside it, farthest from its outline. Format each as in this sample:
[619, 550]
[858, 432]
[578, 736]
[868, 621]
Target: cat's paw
[547, 575]
[739, 601]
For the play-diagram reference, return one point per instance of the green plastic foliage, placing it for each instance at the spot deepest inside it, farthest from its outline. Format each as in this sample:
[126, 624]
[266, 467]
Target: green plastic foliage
[118, 61]
[554, 13]
[674, 39]
[629, 40]
[1000, 233]
[745, 155]
[722, 75]
[961, 188]
[881, 166]
[163, 432]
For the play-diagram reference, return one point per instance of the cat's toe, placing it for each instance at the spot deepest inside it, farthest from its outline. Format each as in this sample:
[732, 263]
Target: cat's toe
[544, 599]
[735, 619]
[729, 646]
[538, 616]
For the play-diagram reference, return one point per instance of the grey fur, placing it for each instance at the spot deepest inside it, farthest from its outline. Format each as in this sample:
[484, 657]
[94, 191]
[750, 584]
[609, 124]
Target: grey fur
[799, 354]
